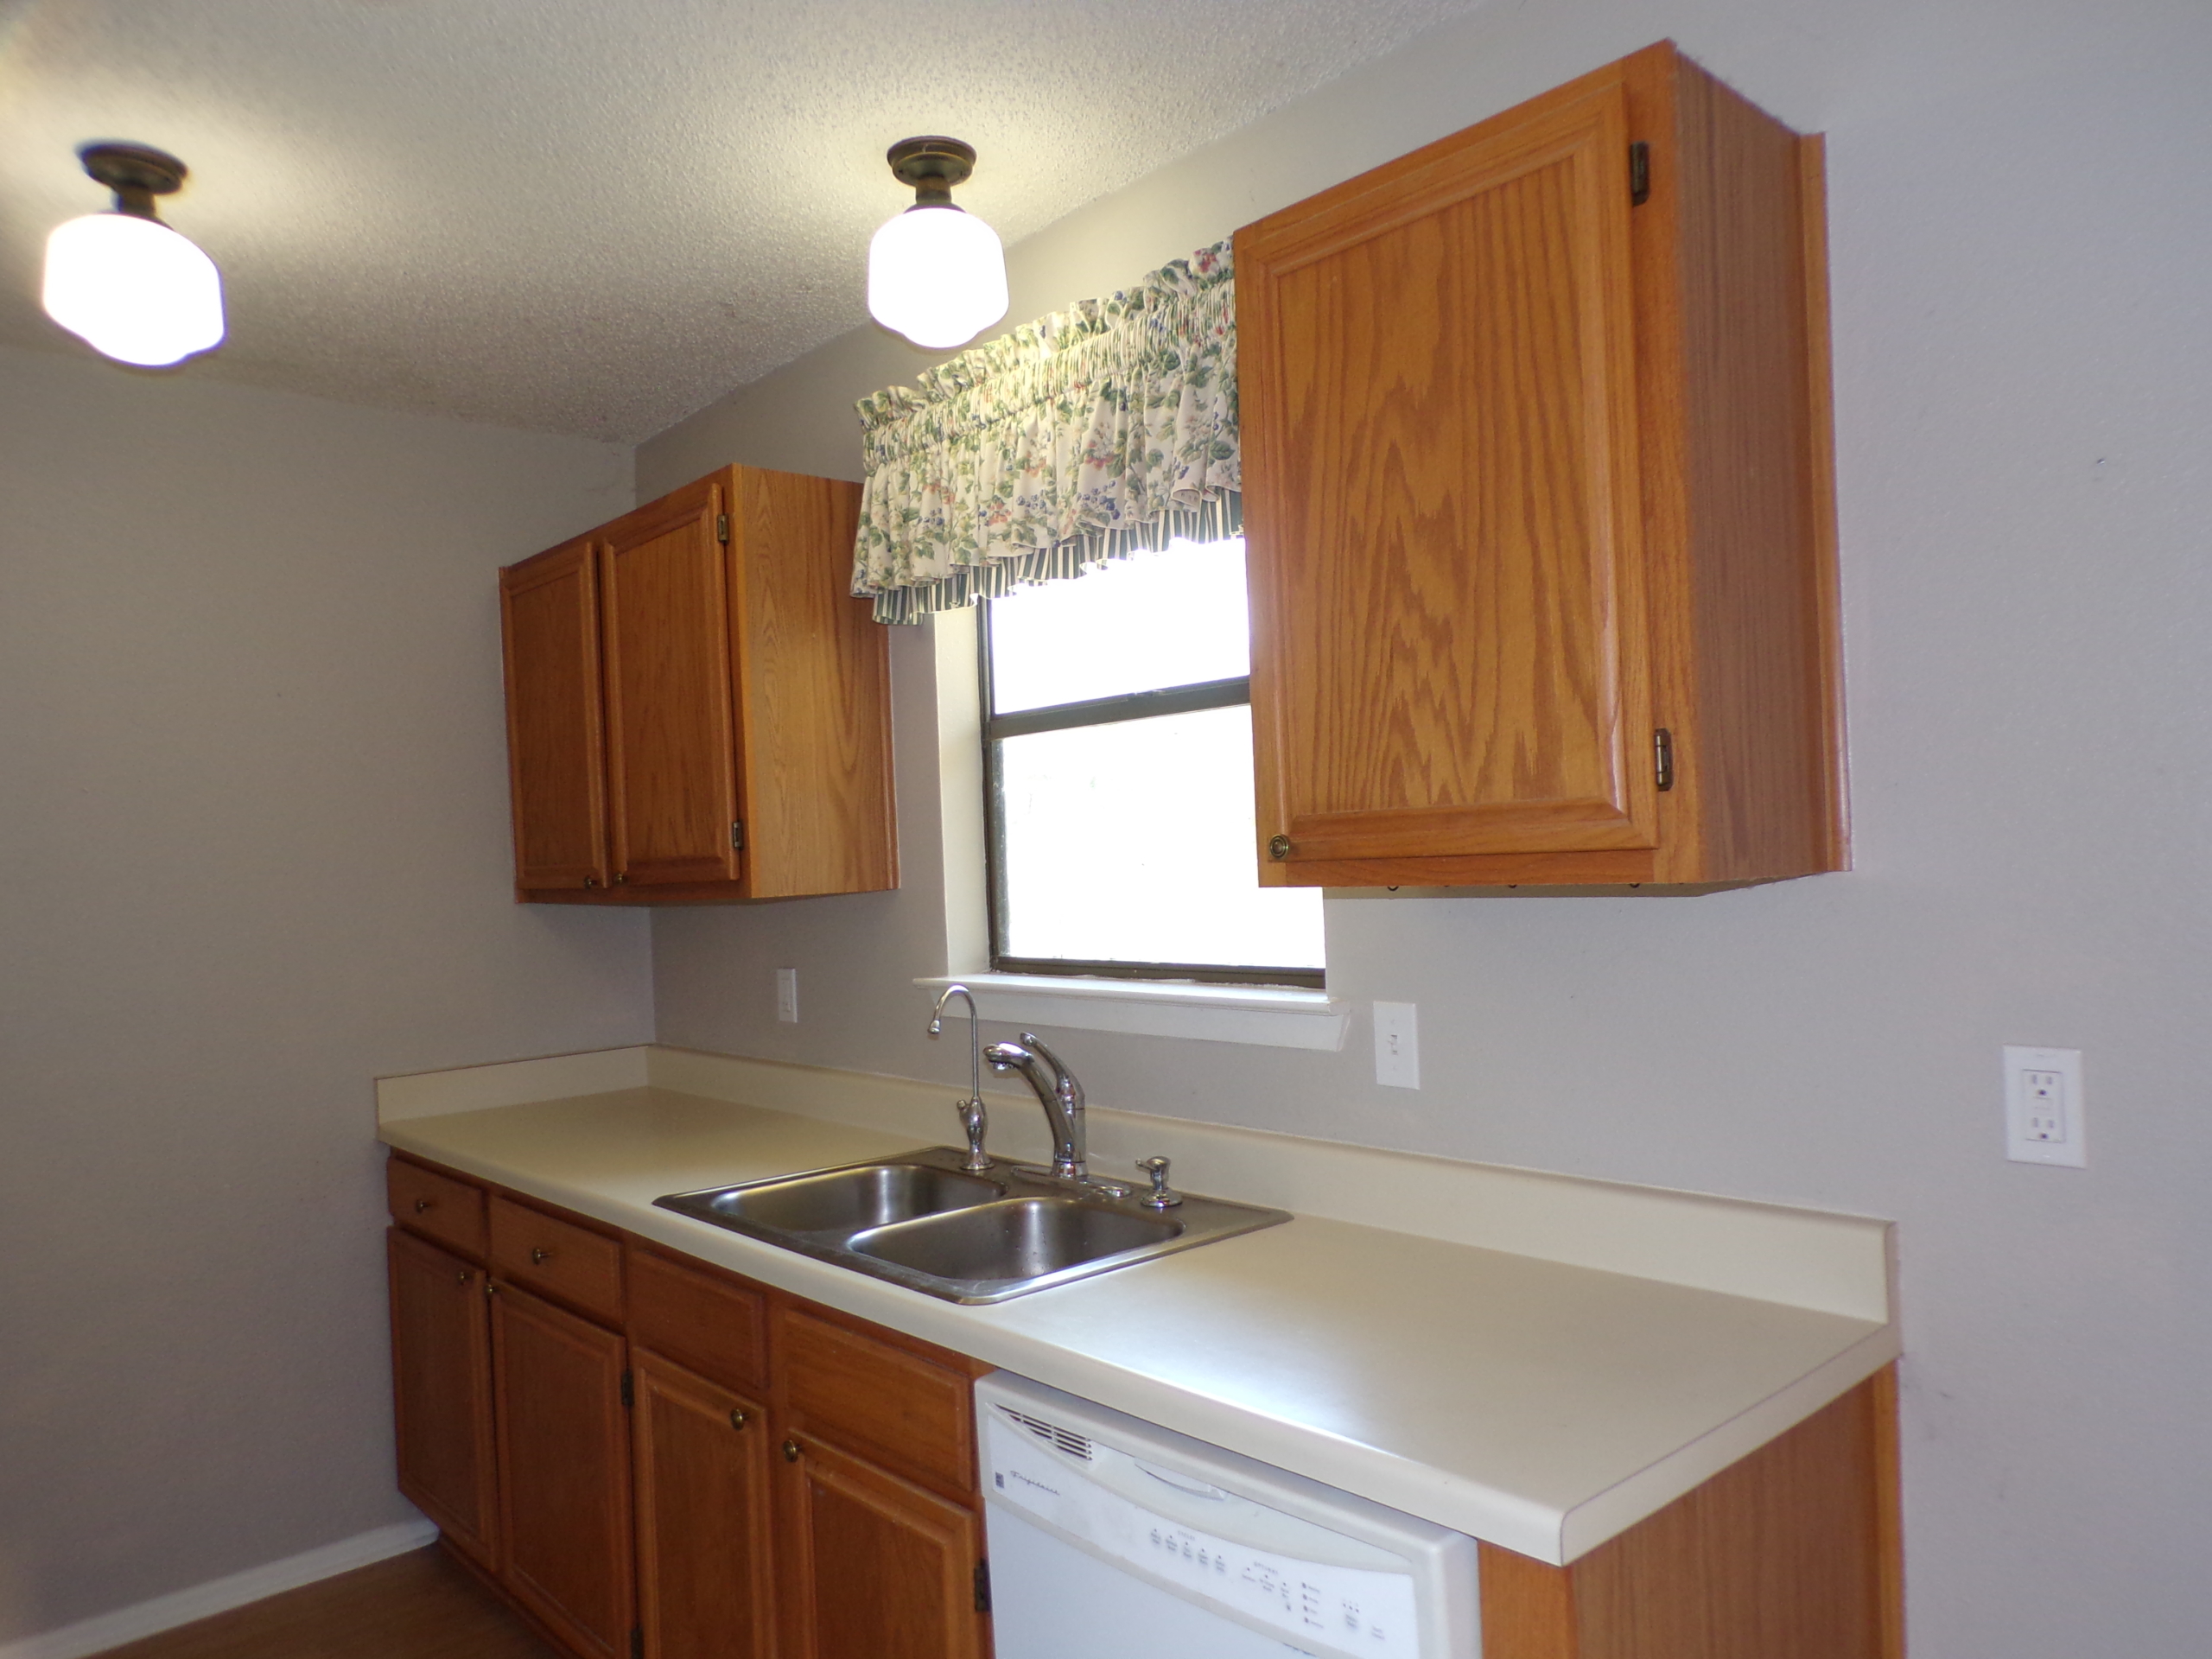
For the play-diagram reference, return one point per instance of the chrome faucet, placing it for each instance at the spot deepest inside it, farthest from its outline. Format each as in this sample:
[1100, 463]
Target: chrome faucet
[1057, 1091]
[970, 1110]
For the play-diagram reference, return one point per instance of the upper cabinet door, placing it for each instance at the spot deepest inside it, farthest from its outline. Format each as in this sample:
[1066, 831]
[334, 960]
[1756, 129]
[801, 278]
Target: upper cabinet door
[813, 691]
[1438, 365]
[671, 760]
[549, 609]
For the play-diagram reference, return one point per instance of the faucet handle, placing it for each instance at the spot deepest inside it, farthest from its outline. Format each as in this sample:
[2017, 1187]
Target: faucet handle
[973, 1120]
[1162, 1196]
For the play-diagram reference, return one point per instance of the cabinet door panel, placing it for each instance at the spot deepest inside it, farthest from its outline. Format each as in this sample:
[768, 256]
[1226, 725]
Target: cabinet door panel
[876, 1567]
[565, 1474]
[442, 1392]
[671, 762]
[1442, 503]
[704, 1585]
[548, 613]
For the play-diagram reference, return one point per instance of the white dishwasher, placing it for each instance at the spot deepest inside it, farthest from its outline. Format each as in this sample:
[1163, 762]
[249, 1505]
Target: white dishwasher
[1111, 1538]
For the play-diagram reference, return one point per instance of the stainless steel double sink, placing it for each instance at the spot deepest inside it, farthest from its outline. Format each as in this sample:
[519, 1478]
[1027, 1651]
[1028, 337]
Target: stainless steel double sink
[922, 1220]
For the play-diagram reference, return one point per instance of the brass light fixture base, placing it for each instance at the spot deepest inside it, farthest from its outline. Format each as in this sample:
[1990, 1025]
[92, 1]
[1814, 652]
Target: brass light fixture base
[932, 166]
[137, 172]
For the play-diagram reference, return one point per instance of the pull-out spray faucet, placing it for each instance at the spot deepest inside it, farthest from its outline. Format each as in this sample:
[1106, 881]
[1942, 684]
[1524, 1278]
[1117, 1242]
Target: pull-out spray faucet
[970, 1110]
[1057, 1091]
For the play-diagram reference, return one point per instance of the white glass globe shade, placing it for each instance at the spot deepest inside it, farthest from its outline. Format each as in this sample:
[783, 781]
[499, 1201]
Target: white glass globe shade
[937, 274]
[133, 288]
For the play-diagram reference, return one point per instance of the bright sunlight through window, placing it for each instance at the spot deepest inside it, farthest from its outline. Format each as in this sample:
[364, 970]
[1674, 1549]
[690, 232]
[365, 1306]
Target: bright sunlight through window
[1118, 747]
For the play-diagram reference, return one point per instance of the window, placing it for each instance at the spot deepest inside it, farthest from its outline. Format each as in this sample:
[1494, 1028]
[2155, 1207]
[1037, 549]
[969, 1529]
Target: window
[1118, 743]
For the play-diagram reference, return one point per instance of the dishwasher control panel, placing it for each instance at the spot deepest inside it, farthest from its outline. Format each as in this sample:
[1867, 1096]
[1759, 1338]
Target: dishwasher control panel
[1319, 1590]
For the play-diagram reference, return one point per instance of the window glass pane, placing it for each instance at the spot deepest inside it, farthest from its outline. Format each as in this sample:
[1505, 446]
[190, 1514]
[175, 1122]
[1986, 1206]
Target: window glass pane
[1132, 842]
[1175, 617]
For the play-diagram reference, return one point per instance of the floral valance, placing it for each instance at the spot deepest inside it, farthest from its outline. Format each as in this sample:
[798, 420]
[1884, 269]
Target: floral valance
[1086, 435]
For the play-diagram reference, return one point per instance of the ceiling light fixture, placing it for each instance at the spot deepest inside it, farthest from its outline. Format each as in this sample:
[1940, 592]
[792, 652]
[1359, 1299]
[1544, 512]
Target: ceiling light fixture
[935, 274]
[122, 281]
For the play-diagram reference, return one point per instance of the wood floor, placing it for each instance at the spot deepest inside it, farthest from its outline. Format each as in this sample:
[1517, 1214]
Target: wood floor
[413, 1607]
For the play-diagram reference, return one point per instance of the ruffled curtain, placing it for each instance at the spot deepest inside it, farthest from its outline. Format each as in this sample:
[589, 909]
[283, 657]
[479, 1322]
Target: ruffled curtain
[1086, 435]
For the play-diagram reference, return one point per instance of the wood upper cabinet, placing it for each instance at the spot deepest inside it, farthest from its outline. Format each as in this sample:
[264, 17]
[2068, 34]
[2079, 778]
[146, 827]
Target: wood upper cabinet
[564, 1472]
[548, 612]
[441, 1393]
[1537, 502]
[698, 711]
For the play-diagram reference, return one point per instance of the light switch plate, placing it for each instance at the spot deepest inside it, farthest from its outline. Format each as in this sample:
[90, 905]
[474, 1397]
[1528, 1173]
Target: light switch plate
[787, 995]
[1397, 1045]
[2043, 1106]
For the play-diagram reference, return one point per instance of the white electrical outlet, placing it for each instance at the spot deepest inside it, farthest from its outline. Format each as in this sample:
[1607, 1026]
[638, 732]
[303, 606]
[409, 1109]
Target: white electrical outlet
[787, 995]
[2043, 1106]
[1397, 1045]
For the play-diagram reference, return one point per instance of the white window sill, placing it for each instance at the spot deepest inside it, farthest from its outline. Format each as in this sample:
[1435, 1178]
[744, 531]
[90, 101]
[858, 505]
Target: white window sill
[1257, 1014]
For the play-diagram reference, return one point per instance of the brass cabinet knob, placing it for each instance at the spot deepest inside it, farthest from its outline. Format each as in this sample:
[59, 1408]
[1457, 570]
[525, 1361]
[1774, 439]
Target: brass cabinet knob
[621, 876]
[591, 881]
[790, 1451]
[462, 1279]
[738, 1420]
[1279, 847]
[538, 1257]
[421, 1205]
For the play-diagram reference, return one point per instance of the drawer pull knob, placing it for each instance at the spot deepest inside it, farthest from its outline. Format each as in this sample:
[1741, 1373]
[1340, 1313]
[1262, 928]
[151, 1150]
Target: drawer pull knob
[421, 1205]
[738, 1420]
[539, 1257]
[461, 1279]
[790, 1451]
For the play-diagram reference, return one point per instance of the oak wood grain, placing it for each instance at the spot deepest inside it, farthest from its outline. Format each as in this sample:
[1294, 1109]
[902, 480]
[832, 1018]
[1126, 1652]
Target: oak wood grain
[1532, 473]
[446, 1207]
[699, 1319]
[706, 1588]
[875, 1567]
[556, 769]
[876, 1398]
[558, 1255]
[670, 731]
[812, 689]
[1440, 394]
[442, 1392]
[564, 1473]
[1782, 1554]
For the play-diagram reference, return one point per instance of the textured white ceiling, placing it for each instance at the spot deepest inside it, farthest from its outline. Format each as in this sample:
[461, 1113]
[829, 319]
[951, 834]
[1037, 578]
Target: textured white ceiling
[596, 216]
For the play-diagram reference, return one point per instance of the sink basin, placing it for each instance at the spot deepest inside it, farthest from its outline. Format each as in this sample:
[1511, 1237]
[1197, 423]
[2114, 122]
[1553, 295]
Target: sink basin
[848, 1201]
[1016, 1238]
[923, 1221]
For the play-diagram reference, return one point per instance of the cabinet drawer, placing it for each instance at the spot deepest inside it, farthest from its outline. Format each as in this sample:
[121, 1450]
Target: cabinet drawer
[557, 1258]
[700, 1320]
[446, 1208]
[906, 1412]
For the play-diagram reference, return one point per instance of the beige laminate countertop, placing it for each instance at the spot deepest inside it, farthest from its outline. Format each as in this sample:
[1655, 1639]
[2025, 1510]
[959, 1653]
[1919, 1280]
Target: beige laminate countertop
[1543, 1405]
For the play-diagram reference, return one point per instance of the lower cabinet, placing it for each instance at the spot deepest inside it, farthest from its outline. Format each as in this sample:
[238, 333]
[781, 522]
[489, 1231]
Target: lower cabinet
[649, 1457]
[706, 1588]
[441, 1393]
[564, 1470]
[876, 1565]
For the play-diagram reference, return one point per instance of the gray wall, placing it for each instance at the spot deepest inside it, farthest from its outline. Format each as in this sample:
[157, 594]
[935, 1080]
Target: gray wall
[254, 825]
[2022, 221]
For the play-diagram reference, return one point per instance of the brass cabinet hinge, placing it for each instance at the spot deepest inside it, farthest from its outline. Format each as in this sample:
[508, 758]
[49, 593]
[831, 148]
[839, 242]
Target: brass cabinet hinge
[1639, 174]
[629, 1390]
[722, 527]
[637, 1641]
[982, 1586]
[1662, 758]
[737, 834]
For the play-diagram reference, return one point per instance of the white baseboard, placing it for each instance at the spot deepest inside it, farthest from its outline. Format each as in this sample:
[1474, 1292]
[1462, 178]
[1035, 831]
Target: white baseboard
[219, 1595]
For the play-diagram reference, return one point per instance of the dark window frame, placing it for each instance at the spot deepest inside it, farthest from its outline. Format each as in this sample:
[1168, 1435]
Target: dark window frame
[1096, 711]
